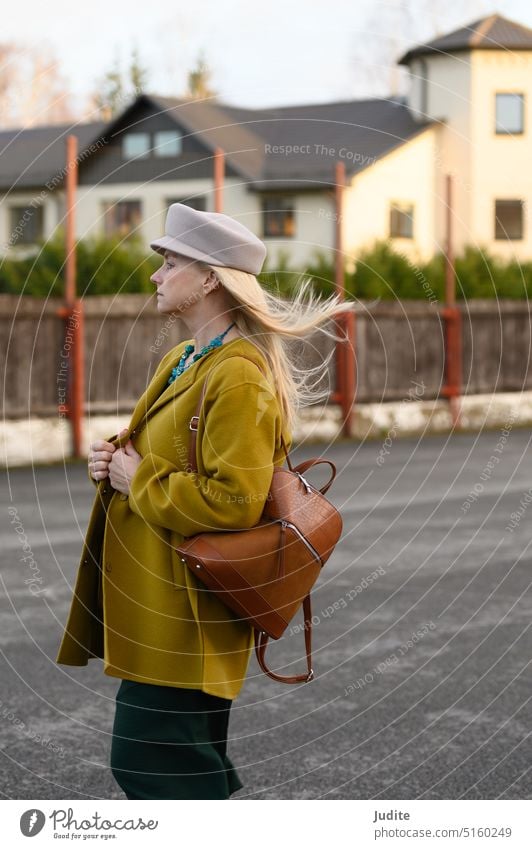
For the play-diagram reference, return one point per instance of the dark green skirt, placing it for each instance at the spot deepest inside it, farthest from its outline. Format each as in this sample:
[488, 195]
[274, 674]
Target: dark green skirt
[170, 743]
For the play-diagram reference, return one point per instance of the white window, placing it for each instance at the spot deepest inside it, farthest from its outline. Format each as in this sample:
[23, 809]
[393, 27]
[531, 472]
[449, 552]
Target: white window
[135, 145]
[26, 225]
[278, 217]
[167, 143]
[509, 113]
[122, 218]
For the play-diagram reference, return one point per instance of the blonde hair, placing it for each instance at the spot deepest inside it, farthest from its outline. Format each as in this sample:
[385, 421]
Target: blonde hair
[270, 322]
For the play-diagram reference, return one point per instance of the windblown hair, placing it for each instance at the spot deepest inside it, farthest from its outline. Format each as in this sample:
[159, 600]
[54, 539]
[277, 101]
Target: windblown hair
[270, 322]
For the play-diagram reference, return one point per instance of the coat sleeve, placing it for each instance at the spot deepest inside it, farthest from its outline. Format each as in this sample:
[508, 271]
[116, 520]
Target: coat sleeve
[169, 357]
[237, 451]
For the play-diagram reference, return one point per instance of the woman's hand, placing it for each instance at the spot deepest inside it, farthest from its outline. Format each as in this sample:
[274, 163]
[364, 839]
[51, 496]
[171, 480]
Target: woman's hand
[100, 454]
[122, 466]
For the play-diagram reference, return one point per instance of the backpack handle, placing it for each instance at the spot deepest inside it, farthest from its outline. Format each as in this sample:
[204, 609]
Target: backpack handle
[261, 641]
[307, 464]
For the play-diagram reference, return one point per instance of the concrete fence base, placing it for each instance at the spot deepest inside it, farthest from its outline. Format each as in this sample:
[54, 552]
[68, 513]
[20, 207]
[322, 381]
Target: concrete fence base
[48, 440]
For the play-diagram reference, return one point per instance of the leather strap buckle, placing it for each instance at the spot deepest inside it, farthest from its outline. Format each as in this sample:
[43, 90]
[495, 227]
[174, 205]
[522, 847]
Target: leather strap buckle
[195, 426]
[310, 676]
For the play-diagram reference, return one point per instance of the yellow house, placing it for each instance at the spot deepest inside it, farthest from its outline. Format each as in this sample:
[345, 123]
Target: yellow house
[466, 113]
[476, 84]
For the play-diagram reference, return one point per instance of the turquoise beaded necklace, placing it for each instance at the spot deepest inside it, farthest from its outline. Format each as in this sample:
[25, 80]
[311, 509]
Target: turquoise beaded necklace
[214, 343]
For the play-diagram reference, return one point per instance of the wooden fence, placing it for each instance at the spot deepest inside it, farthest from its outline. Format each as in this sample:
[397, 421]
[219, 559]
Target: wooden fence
[398, 344]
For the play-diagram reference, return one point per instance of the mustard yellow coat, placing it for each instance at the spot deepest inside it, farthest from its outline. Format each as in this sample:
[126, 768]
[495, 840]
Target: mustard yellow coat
[135, 604]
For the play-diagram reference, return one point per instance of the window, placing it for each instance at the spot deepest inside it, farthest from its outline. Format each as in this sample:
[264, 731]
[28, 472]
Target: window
[509, 113]
[198, 203]
[122, 218]
[278, 217]
[401, 221]
[135, 145]
[167, 143]
[508, 219]
[26, 225]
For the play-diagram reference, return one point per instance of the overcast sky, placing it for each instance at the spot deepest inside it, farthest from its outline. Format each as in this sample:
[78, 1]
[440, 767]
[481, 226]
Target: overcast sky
[275, 53]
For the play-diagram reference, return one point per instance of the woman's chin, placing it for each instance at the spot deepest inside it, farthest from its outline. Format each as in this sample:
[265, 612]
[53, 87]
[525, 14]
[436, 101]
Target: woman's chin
[166, 309]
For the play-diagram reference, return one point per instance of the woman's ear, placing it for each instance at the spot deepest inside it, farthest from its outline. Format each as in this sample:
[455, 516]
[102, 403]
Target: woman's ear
[212, 282]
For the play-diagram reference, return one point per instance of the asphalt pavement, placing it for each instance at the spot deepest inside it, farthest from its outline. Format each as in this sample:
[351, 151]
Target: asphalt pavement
[421, 641]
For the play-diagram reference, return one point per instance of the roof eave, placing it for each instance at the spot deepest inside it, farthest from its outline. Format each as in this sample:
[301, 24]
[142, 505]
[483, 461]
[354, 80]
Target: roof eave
[295, 185]
[430, 51]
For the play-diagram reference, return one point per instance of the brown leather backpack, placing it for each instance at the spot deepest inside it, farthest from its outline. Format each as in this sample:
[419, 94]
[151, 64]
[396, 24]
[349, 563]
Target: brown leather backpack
[264, 573]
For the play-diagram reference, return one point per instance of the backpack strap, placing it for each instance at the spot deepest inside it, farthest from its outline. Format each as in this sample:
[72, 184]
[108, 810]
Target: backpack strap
[194, 421]
[261, 641]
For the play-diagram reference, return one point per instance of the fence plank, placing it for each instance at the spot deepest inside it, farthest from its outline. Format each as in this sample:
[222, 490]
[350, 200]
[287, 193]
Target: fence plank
[398, 343]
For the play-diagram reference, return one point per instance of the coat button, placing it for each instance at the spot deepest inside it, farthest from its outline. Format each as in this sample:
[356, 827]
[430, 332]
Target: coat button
[108, 567]
[124, 496]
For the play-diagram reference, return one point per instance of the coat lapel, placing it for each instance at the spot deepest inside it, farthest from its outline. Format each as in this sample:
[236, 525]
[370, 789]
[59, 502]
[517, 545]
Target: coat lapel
[159, 393]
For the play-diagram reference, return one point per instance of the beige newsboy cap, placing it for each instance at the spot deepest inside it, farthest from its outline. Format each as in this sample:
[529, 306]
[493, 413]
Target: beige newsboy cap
[211, 237]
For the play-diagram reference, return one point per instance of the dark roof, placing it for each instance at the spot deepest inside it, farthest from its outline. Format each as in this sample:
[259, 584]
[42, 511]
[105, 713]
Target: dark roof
[356, 132]
[210, 122]
[29, 158]
[490, 33]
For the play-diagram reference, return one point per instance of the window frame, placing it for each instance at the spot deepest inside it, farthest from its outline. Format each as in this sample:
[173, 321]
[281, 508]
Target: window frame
[289, 199]
[112, 204]
[503, 132]
[157, 149]
[504, 236]
[397, 206]
[22, 208]
[147, 152]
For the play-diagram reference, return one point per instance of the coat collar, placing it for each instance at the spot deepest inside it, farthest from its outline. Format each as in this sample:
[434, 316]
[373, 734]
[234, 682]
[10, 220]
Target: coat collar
[159, 393]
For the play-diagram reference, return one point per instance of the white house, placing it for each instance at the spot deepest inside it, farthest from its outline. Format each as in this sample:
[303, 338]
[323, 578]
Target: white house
[467, 114]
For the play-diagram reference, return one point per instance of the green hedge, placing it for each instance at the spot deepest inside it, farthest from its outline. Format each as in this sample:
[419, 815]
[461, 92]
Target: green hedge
[103, 267]
[381, 272]
[111, 266]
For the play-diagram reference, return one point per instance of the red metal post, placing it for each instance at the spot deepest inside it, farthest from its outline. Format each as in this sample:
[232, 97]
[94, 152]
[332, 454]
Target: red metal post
[70, 223]
[219, 174]
[345, 365]
[73, 311]
[452, 318]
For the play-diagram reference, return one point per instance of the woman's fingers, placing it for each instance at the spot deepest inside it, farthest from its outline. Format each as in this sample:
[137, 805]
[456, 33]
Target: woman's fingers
[99, 458]
[100, 455]
[95, 456]
[99, 469]
[102, 445]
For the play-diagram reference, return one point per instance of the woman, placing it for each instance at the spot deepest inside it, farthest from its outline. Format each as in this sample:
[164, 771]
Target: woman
[181, 653]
